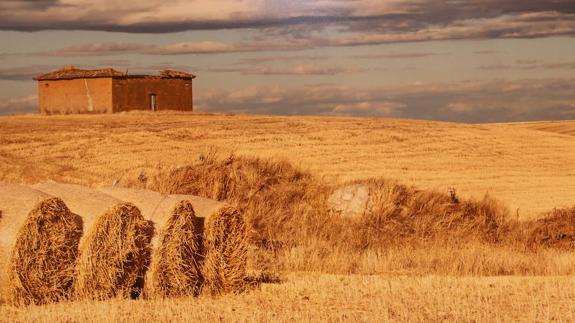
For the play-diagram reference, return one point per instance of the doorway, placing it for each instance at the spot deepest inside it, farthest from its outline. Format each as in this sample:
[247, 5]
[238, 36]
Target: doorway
[153, 102]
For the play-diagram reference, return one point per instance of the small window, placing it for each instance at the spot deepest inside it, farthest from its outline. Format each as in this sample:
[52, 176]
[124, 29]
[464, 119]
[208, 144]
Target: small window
[153, 102]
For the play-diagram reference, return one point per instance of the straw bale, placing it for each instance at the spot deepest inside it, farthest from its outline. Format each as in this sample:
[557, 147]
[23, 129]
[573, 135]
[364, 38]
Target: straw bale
[44, 254]
[158, 207]
[16, 201]
[175, 269]
[87, 202]
[226, 243]
[177, 248]
[114, 255]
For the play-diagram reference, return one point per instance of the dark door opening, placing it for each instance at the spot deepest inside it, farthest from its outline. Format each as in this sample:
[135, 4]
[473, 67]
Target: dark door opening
[153, 102]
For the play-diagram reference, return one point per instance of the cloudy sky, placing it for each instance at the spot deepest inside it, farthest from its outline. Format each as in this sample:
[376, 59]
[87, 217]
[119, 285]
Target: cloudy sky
[453, 60]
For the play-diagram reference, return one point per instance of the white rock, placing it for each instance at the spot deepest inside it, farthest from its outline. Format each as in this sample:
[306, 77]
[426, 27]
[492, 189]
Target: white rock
[350, 201]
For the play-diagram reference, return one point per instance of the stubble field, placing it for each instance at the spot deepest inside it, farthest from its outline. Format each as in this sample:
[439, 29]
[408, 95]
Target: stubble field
[530, 167]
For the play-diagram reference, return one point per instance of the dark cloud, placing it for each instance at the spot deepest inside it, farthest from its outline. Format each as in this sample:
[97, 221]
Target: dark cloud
[493, 101]
[189, 48]
[526, 26]
[450, 19]
[37, 5]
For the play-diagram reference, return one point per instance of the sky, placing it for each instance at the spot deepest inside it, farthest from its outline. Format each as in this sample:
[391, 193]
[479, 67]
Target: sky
[452, 60]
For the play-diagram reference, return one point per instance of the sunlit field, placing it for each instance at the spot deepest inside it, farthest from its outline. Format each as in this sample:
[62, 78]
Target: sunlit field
[434, 247]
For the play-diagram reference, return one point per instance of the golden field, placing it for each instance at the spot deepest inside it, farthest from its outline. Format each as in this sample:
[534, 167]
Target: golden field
[330, 298]
[530, 167]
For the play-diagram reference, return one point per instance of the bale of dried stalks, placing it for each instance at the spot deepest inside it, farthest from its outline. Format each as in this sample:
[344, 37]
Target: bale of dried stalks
[16, 201]
[44, 254]
[175, 269]
[85, 201]
[114, 255]
[555, 230]
[177, 249]
[158, 207]
[224, 266]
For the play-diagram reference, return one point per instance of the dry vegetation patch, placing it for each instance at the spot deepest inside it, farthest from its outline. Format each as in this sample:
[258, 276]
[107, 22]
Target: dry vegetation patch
[284, 205]
[556, 230]
[292, 226]
[277, 200]
[399, 214]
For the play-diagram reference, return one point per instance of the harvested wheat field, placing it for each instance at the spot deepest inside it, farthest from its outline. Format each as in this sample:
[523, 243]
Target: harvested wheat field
[332, 298]
[527, 168]
[259, 218]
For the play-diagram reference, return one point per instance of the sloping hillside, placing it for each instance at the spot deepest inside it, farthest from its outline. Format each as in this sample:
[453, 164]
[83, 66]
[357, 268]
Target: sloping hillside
[527, 166]
[560, 127]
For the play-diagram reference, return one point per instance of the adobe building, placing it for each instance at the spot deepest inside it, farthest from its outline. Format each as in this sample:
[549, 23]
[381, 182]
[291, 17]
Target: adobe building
[73, 90]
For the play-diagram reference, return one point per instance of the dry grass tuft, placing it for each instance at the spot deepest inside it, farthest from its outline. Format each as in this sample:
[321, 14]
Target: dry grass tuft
[44, 255]
[176, 261]
[224, 267]
[275, 198]
[402, 214]
[284, 205]
[114, 255]
[556, 230]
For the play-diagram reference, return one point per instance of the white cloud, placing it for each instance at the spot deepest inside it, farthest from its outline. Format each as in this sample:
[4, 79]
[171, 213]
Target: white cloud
[489, 101]
[19, 105]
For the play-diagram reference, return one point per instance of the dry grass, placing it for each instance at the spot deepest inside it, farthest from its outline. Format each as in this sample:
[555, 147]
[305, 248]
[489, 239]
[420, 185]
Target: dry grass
[292, 227]
[525, 168]
[225, 263]
[332, 298]
[44, 255]
[114, 255]
[285, 205]
[555, 230]
[175, 269]
[273, 196]
[403, 214]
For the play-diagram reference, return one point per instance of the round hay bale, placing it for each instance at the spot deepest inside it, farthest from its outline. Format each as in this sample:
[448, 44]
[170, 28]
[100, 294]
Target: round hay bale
[226, 243]
[16, 201]
[114, 255]
[175, 269]
[87, 202]
[44, 255]
[174, 259]
[157, 206]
